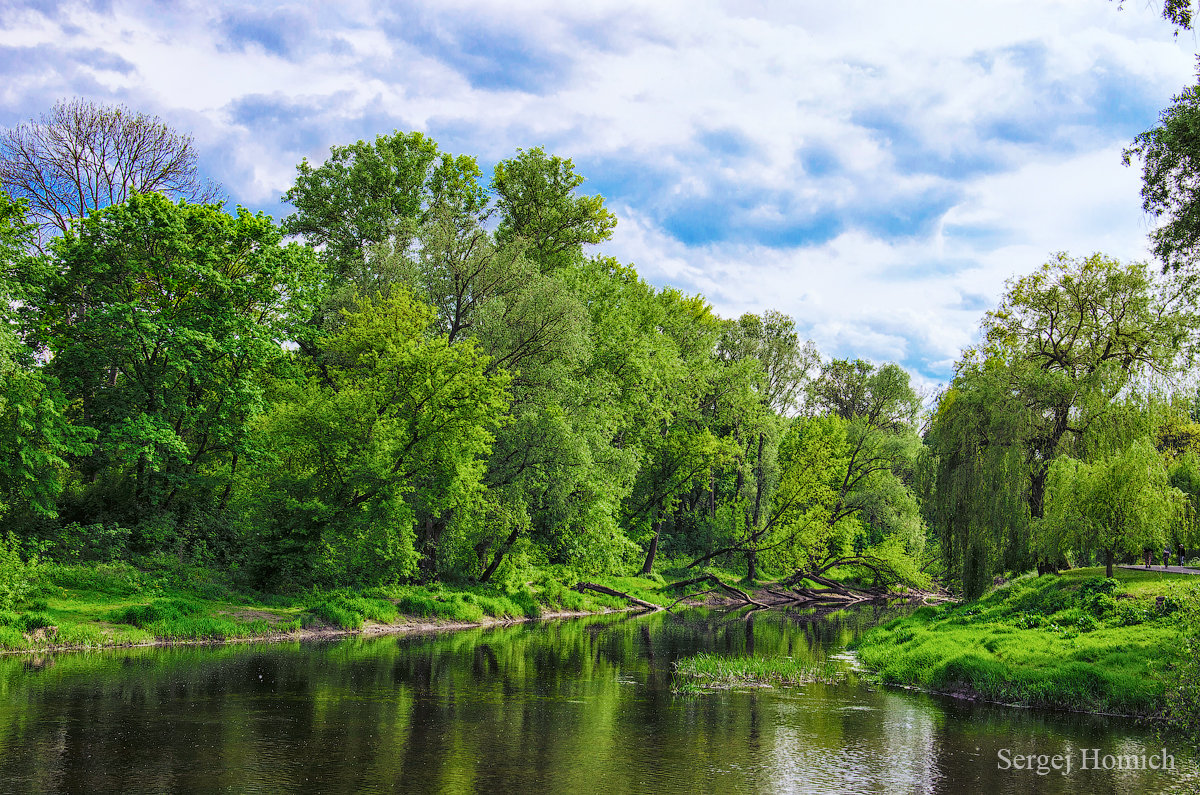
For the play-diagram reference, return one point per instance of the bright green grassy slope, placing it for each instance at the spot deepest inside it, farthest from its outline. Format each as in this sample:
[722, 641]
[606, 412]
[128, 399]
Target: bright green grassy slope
[1077, 642]
[85, 606]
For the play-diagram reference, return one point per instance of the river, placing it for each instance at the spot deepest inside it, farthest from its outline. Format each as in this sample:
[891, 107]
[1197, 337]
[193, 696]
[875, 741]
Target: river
[578, 705]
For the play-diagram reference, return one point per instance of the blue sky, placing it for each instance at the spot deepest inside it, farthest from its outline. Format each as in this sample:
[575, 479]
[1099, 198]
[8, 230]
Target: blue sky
[876, 170]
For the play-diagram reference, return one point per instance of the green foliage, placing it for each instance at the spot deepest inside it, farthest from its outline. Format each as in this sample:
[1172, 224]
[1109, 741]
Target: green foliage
[1038, 641]
[1121, 504]
[158, 611]
[1169, 158]
[349, 612]
[18, 575]
[161, 323]
[1183, 678]
[368, 194]
[537, 204]
[1059, 354]
[112, 579]
[391, 422]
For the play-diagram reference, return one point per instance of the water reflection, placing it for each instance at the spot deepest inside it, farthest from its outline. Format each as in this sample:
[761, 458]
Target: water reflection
[567, 706]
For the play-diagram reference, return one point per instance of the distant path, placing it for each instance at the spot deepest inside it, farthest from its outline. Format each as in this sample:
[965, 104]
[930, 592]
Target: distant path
[1168, 569]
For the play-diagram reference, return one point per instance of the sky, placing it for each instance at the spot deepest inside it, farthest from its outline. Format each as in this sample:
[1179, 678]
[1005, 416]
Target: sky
[876, 170]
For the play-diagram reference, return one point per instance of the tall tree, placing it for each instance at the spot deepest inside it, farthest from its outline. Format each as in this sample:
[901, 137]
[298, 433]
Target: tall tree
[81, 156]
[391, 428]
[781, 371]
[1170, 155]
[35, 436]
[160, 323]
[1064, 344]
[369, 194]
[537, 202]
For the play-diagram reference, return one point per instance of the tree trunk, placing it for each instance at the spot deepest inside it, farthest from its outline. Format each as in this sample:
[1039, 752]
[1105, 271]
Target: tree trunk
[431, 536]
[1037, 493]
[656, 526]
[500, 553]
[1108, 562]
[752, 553]
[712, 495]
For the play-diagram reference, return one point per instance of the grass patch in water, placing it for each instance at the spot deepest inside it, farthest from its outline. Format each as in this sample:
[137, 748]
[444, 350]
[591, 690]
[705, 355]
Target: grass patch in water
[712, 672]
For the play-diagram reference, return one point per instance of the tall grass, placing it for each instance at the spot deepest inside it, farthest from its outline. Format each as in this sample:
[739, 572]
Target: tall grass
[711, 671]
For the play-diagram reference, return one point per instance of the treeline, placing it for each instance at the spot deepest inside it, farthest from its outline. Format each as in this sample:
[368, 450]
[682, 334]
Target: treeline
[427, 374]
[420, 375]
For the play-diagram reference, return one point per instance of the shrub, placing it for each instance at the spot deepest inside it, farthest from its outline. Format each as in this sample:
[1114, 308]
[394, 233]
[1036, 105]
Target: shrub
[157, 612]
[115, 579]
[31, 621]
[17, 576]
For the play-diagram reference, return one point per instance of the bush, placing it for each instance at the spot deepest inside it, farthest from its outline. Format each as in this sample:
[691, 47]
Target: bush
[157, 612]
[94, 542]
[114, 579]
[32, 621]
[17, 576]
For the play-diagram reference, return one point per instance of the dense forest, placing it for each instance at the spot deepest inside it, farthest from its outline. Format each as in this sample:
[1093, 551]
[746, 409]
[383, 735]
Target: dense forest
[429, 374]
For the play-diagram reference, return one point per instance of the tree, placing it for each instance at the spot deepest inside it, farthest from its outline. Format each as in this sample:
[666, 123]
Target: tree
[781, 369]
[1177, 12]
[368, 194]
[532, 326]
[1170, 155]
[1120, 504]
[535, 196]
[160, 324]
[82, 156]
[392, 426]
[879, 410]
[1066, 342]
[35, 435]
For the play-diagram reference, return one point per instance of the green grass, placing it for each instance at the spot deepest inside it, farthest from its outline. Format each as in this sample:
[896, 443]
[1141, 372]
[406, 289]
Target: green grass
[1078, 642]
[94, 605]
[710, 671]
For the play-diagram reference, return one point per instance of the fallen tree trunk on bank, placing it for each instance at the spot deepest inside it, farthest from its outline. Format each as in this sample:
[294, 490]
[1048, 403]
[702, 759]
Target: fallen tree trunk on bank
[591, 586]
[713, 580]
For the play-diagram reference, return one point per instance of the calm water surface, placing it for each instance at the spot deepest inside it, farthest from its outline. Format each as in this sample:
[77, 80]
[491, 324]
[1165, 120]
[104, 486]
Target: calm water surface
[564, 706]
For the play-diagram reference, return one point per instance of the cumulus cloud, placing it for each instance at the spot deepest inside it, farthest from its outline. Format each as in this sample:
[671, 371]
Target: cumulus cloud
[876, 170]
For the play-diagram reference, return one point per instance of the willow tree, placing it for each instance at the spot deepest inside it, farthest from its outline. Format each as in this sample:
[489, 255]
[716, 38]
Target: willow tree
[1117, 505]
[1065, 343]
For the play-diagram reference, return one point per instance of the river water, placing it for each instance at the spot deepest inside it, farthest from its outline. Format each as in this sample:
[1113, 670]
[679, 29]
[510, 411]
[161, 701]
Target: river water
[579, 705]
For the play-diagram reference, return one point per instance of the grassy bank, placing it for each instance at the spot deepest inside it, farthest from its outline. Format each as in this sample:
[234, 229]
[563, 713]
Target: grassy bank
[115, 604]
[1077, 641]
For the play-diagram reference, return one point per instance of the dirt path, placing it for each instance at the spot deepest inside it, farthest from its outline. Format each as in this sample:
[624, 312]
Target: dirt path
[1168, 569]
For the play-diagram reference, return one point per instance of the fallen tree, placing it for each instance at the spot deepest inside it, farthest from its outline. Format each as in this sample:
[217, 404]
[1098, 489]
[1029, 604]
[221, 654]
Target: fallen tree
[717, 584]
[591, 586]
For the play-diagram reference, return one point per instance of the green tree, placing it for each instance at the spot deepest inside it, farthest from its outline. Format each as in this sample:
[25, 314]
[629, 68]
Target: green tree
[537, 203]
[369, 194]
[1065, 344]
[779, 369]
[1117, 505]
[35, 436]
[160, 322]
[1170, 155]
[392, 426]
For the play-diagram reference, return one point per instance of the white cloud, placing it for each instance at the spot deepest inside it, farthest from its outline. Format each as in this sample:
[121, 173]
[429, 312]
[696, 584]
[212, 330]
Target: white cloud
[994, 127]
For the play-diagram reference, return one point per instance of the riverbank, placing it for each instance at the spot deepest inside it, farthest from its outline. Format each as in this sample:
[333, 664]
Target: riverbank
[1076, 642]
[93, 606]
